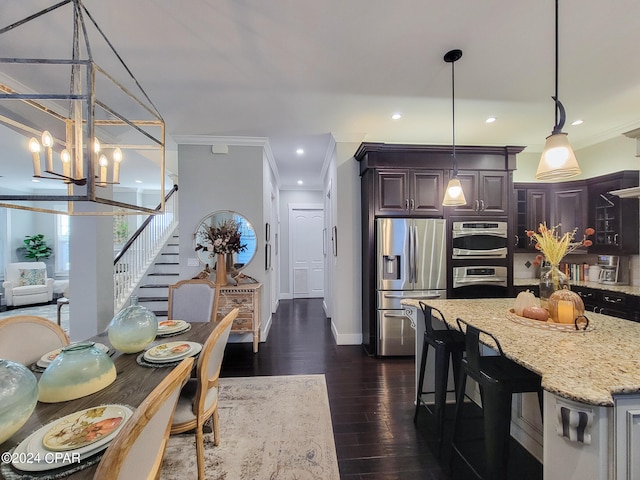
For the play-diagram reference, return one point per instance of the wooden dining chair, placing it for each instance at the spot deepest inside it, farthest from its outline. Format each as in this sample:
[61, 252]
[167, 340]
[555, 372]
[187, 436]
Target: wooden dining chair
[193, 300]
[199, 397]
[25, 338]
[136, 451]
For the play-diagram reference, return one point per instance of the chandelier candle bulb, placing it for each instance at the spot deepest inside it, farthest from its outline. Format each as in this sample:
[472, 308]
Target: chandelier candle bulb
[47, 143]
[34, 147]
[65, 158]
[104, 163]
[117, 158]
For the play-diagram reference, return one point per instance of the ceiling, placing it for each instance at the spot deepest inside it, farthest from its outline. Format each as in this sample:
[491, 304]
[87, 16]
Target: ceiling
[300, 72]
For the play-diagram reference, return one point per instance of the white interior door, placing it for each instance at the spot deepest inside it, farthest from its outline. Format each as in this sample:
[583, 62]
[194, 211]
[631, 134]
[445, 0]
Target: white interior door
[307, 260]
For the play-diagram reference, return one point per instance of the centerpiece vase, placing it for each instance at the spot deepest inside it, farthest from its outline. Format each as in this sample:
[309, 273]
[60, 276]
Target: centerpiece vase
[221, 270]
[18, 397]
[133, 328]
[551, 279]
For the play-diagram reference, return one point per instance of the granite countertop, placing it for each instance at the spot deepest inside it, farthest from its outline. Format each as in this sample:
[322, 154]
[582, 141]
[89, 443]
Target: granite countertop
[588, 367]
[628, 289]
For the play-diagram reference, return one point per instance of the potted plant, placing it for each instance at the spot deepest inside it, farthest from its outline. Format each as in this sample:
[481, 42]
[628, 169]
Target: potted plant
[36, 247]
[120, 230]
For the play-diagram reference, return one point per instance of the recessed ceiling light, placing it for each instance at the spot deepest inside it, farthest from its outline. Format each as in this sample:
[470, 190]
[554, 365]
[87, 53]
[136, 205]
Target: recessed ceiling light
[138, 181]
[299, 151]
[396, 116]
[300, 182]
[577, 122]
[490, 120]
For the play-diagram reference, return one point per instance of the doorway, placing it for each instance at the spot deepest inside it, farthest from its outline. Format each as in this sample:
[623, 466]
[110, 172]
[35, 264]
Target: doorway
[306, 223]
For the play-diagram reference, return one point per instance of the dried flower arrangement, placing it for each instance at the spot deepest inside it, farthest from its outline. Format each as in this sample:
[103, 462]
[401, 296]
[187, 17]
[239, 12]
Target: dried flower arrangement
[223, 238]
[555, 247]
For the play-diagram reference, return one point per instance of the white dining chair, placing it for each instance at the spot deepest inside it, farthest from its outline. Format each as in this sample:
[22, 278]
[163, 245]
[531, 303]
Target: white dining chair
[25, 338]
[199, 397]
[193, 300]
[136, 451]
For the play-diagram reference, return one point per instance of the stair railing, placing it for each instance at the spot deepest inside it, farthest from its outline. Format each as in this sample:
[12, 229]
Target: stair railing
[137, 255]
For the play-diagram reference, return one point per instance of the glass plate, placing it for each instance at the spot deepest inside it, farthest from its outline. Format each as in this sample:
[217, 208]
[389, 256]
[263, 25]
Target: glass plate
[33, 447]
[172, 351]
[171, 326]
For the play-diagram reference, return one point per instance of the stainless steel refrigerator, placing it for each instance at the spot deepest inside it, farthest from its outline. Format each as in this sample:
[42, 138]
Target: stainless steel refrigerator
[411, 263]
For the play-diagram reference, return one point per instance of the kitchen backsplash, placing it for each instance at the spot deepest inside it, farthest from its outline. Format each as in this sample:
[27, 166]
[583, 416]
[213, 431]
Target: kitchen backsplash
[523, 265]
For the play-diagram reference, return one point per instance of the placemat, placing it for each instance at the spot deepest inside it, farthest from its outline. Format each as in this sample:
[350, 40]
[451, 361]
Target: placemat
[143, 363]
[10, 473]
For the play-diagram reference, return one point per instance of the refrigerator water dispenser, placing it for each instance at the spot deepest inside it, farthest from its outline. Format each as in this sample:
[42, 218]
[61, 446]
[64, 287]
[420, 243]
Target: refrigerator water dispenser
[391, 267]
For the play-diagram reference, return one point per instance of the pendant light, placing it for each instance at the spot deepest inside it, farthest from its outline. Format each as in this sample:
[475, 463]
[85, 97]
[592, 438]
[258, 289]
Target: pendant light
[454, 196]
[558, 160]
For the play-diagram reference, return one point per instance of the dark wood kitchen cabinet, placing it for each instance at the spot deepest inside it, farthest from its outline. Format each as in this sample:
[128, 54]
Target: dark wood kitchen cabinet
[532, 209]
[581, 204]
[616, 304]
[408, 181]
[568, 208]
[487, 193]
[563, 204]
[406, 192]
[614, 219]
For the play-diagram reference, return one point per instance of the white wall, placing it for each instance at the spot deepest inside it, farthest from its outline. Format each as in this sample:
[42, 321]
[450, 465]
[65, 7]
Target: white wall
[346, 307]
[210, 183]
[234, 181]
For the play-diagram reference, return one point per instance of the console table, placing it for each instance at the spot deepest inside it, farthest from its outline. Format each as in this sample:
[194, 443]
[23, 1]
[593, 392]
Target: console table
[247, 299]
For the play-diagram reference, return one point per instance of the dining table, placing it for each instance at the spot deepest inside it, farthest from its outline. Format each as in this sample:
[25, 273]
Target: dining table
[135, 379]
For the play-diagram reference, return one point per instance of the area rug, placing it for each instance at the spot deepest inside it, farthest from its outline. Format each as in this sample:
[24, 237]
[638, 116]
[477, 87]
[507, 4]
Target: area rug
[271, 428]
[48, 311]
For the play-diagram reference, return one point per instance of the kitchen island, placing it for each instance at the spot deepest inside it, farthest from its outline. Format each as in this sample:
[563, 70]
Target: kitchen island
[589, 376]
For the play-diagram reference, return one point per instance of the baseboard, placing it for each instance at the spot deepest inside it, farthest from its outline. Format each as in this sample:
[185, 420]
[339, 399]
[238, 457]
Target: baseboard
[345, 339]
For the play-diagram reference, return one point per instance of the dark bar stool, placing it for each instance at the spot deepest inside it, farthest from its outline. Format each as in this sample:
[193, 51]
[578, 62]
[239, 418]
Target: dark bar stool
[498, 378]
[446, 343]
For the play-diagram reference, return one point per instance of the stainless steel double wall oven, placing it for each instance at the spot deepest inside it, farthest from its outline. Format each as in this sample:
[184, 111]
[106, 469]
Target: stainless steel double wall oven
[479, 252]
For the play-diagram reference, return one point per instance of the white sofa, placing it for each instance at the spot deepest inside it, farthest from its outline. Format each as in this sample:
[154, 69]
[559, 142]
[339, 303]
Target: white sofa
[26, 283]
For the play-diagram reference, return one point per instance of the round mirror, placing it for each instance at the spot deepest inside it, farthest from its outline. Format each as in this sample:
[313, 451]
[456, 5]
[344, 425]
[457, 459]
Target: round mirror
[235, 261]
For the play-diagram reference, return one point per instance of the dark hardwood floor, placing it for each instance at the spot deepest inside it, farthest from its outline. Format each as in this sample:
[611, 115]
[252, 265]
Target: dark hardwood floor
[371, 400]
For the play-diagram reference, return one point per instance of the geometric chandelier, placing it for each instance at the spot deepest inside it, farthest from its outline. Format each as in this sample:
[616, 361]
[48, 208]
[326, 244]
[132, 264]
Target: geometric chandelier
[74, 120]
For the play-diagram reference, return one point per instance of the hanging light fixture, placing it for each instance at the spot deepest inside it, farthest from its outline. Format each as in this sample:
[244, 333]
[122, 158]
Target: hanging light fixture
[453, 196]
[558, 160]
[85, 127]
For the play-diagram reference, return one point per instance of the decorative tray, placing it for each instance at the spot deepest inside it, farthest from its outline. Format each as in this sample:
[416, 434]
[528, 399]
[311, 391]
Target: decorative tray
[582, 324]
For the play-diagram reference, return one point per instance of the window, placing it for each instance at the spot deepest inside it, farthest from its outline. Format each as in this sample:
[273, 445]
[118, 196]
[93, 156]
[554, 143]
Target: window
[62, 245]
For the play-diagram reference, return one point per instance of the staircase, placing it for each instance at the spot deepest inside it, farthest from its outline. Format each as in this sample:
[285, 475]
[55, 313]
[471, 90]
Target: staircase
[153, 291]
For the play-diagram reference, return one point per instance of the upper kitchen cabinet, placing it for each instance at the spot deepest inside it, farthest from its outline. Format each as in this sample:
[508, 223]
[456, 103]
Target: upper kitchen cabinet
[409, 180]
[486, 193]
[409, 192]
[614, 219]
[568, 207]
[532, 209]
[581, 204]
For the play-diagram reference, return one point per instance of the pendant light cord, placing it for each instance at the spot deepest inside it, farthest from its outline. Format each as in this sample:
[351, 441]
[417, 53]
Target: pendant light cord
[453, 118]
[556, 97]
